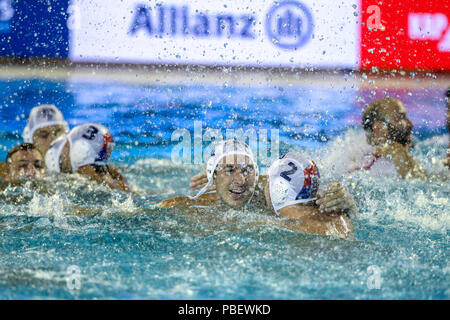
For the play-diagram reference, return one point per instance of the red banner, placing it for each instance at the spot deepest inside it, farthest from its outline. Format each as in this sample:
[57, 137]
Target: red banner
[405, 35]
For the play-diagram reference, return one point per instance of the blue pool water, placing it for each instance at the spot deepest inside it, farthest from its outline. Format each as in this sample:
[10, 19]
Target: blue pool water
[121, 247]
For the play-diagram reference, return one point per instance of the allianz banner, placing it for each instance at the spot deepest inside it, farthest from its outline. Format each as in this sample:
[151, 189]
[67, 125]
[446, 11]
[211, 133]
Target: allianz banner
[34, 28]
[352, 34]
[290, 33]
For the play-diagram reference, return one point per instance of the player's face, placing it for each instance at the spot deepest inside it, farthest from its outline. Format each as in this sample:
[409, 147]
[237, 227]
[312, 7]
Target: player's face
[235, 178]
[44, 136]
[26, 165]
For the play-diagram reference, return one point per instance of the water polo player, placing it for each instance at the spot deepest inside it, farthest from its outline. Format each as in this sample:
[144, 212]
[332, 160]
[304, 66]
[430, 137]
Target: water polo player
[86, 150]
[292, 190]
[23, 163]
[233, 170]
[389, 133]
[45, 124]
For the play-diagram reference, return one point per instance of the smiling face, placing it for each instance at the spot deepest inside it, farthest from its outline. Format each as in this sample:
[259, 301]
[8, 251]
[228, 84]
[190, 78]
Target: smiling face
[43, 137]
[25, 165]
[235, 179]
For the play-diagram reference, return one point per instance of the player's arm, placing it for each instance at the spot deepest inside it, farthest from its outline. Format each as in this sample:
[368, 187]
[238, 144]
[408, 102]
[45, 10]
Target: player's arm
[173, 202]
[101, 177]
[122, 182]
[312, 221]
[206, 199]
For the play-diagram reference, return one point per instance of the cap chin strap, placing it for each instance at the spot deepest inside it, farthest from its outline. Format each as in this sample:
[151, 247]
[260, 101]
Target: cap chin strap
[211, 166]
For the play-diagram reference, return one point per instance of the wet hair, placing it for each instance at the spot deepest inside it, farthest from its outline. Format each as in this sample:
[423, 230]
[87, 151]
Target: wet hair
[375, 112]
[20, 147]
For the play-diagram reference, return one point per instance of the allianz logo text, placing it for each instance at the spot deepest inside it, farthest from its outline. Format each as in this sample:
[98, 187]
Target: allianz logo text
[289, 24]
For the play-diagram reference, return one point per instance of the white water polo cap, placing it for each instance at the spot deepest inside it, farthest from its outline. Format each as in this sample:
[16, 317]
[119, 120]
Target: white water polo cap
[43, 116]
[293, 178]
[224, 149]
[90, 143]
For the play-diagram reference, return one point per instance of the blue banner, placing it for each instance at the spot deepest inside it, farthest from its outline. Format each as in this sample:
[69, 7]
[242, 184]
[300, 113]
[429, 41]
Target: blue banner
[34, 28]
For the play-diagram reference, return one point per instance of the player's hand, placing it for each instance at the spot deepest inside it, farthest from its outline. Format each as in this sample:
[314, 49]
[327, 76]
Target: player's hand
[199, 181]
[335, 199]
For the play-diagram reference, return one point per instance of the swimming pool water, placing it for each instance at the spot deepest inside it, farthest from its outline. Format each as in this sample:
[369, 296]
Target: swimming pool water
[121, 247]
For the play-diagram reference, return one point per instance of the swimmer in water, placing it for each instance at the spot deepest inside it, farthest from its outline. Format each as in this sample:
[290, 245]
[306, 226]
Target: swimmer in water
[388, 131]
[86, 150]
[23, 163]
[234, 172]
[292, 192]
[45, 124]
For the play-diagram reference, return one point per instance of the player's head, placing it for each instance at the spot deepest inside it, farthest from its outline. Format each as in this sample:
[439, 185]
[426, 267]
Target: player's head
[234, 171]
[24, 162]
[45, 124]
[293, 179]
[86, 144]
[386, 119]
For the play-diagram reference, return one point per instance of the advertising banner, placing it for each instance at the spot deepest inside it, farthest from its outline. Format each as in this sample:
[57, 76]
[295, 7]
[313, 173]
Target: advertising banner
[350, 34]
[400, 34]
[290, 33]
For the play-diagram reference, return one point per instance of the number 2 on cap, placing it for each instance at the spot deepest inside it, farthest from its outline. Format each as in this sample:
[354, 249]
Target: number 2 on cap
[287, 173]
